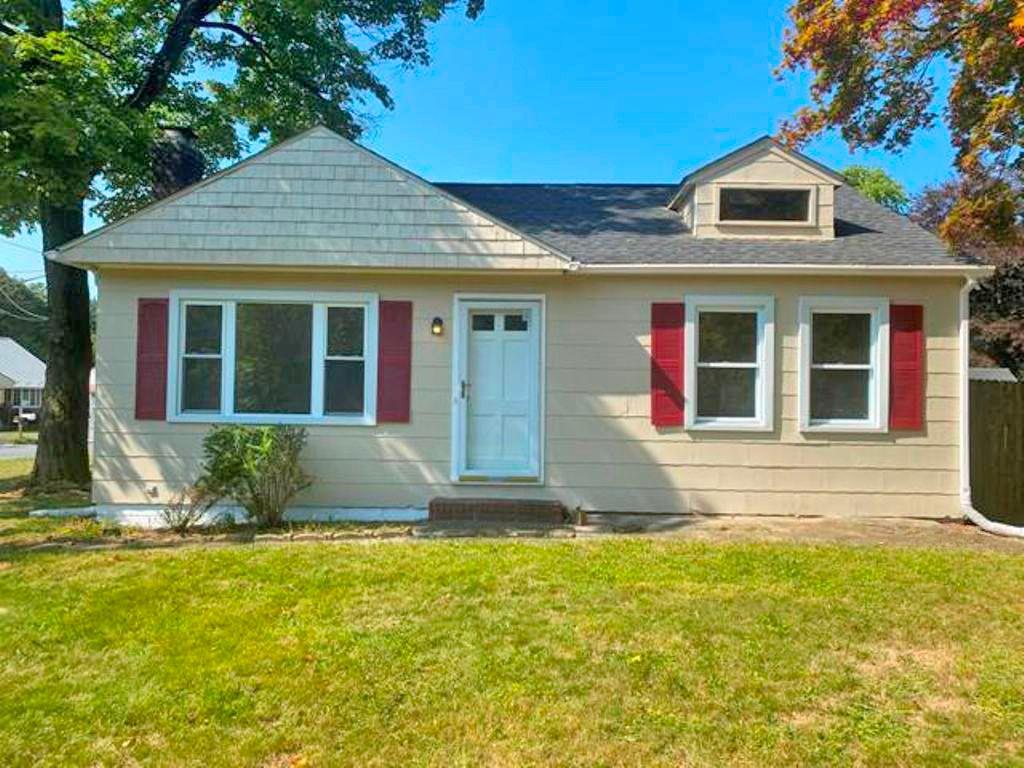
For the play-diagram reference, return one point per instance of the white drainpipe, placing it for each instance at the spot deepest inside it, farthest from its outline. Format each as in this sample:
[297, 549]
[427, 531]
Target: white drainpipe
[966, 503]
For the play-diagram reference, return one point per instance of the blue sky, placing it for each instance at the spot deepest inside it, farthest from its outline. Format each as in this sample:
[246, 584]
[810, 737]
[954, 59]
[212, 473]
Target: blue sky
[567, 90]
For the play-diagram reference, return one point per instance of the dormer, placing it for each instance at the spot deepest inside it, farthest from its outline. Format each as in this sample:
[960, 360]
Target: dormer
[762, 191]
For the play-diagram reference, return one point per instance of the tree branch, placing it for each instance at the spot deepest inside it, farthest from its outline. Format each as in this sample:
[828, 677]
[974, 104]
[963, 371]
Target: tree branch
[11, 30]
[264, 54]
[190, 14]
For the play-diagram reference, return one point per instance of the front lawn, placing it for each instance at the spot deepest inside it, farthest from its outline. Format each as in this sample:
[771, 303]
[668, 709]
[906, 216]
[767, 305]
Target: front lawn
[17, 529]
[614, 651]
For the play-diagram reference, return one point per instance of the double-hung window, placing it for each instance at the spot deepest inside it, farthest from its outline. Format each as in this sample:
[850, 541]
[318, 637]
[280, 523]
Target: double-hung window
[267, 356]
[844, 364]
[729, 345]
[202, 346]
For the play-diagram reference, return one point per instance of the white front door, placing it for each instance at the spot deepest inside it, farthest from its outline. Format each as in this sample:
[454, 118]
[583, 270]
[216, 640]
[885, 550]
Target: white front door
[497, 391]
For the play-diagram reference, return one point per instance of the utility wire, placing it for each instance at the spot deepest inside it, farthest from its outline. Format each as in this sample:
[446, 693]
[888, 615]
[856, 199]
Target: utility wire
[19, 245]
[17, 306]
[24, 319]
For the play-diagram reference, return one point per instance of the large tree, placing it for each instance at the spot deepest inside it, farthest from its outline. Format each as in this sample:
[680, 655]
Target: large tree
[997, 306]
[884, 69]
[875, 184]
[85, 85]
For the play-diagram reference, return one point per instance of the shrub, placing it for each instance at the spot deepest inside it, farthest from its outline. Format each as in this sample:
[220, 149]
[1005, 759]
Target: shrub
[258, 467]
[187, 510]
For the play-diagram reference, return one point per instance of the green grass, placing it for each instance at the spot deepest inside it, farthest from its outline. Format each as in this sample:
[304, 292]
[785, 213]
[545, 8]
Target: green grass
[11, 436]
[614, 651]
[17, 529]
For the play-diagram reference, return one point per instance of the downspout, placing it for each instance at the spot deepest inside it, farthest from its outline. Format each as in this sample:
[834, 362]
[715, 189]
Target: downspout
[966, 503]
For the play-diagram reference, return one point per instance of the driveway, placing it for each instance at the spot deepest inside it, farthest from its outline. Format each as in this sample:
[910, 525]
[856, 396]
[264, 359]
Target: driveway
[8, 451]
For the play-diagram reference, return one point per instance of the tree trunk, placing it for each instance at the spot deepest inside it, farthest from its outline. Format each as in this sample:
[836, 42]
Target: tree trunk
[63, 453]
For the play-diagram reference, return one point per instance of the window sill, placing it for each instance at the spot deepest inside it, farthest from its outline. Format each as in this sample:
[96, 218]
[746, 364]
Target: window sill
[480, 479]
[724, 425]
[863, 427]
[274, 418]
[766, 223]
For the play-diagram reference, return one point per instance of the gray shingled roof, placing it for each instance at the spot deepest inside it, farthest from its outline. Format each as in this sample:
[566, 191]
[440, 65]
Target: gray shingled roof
[20, 365]
[630, 224]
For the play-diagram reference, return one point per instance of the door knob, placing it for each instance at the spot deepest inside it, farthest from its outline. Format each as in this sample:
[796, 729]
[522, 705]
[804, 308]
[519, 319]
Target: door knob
[464, 389]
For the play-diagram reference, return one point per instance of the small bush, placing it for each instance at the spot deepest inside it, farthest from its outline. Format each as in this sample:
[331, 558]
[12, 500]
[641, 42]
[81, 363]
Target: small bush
[187, 510]
[258, 467]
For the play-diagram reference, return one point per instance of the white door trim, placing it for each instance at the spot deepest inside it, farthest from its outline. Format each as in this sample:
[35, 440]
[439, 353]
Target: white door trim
[461, 303]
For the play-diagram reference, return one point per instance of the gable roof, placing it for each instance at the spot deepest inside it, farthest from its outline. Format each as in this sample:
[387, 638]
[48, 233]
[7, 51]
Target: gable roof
[754, 147]
[630, 224]
[320, 200]
[20, 366]
[314, 200]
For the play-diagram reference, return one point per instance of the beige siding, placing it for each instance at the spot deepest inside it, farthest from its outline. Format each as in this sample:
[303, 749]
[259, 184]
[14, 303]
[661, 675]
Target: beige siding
[318, 200]
[767, 168]
[601, 451]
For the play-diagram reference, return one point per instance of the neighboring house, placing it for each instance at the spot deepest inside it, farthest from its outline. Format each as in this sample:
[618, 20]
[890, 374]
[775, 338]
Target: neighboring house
[756, 339]
[993, 374]
[22, 376]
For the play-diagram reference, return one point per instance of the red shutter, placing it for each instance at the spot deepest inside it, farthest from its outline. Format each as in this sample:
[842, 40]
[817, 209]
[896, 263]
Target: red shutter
[394, 361]
[151, 360]
[906, 366]
[667, 365]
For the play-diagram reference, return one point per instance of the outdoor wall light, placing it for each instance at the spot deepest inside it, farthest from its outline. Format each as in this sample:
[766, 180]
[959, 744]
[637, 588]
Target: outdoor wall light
[437, 326]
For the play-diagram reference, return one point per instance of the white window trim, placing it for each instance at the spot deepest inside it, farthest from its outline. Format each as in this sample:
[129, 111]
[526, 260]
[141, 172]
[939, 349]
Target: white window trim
[878, 387]
[764, 307]
[812, 204]
[228, 299]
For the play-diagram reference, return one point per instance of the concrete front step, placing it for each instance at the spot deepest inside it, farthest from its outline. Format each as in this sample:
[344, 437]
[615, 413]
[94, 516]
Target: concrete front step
[518, 511]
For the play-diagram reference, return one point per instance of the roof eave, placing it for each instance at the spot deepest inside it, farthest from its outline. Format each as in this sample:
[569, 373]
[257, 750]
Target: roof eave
[973, 271]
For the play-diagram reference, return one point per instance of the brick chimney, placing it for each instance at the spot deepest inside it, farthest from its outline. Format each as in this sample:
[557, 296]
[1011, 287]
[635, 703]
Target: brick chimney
[177, 161]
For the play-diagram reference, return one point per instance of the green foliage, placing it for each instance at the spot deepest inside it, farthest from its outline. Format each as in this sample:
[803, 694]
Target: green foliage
[22, 314]
[875, 184]
[256, 466]
[876, 66]
[82, 91]
[969, 215]
[23, 310]
[997, 314]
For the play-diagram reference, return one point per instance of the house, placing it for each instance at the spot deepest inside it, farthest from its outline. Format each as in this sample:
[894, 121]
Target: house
[756, 338]
[22, 376]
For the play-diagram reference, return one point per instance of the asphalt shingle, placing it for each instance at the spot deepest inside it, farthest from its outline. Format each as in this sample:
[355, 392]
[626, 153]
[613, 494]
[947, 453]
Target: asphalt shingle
[631, 224]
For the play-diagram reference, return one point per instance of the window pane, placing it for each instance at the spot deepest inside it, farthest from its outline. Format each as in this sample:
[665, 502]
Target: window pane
[345, 331]
[343, 386]
[839, 394]
[273, 357]
[764, 204]
[200, 384]
[202, 329]
[727, 392]
[516, 323]
[841, 338]
[483, 322]
[727, 337]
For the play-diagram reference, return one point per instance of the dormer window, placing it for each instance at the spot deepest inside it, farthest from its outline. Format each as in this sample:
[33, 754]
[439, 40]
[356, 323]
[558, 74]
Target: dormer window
[762, 191]
[741, 205]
